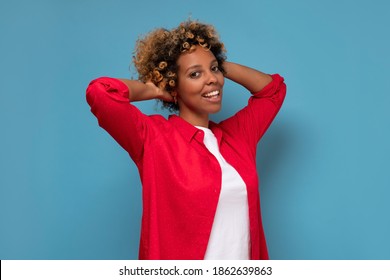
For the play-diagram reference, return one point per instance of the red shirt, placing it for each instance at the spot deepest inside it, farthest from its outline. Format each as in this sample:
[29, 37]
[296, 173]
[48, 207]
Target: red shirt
[181, 179]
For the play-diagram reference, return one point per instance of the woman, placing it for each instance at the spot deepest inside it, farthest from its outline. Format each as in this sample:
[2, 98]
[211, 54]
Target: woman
[199, 180]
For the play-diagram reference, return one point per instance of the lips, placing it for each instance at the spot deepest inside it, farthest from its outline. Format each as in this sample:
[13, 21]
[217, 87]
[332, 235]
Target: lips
[211, 94]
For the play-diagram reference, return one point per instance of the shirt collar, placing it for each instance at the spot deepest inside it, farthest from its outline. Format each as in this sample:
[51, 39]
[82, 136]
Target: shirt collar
[189, 131]
[185, 128]
[216, 129]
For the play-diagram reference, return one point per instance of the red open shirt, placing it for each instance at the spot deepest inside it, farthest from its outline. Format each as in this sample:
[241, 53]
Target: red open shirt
[181, 179]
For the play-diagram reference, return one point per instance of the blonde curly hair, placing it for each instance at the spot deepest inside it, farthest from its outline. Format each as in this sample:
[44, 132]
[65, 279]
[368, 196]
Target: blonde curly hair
[156, 54]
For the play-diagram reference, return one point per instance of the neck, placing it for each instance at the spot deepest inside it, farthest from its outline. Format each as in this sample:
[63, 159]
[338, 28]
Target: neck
[196, 120]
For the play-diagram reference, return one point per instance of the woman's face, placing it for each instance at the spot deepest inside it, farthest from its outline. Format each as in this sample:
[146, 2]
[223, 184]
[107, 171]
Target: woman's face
[199, 85]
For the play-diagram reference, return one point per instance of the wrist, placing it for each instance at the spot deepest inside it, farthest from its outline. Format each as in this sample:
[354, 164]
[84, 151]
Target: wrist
[152, 91]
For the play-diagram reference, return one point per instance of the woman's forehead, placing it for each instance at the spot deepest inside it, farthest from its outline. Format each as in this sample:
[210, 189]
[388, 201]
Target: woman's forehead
[199, 57]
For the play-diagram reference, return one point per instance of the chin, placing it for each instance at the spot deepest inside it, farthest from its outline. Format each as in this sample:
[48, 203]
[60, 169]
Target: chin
[215, 110]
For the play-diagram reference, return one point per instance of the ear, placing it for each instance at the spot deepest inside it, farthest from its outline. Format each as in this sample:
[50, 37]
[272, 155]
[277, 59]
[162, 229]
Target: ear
[174, 95]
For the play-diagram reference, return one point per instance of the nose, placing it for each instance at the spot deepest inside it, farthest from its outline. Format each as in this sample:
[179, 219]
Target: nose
[211, 78]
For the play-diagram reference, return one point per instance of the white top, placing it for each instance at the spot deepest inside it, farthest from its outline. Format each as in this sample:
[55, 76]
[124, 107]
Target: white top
[229, 238]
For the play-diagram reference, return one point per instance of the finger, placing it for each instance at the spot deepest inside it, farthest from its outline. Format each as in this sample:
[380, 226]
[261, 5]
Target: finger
[167, 96]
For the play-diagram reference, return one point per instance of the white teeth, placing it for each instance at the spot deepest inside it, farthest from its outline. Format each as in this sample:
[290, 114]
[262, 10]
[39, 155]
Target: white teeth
[212, 94]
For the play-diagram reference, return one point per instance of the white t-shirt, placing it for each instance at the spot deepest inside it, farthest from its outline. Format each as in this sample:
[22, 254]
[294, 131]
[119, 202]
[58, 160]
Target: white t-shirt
[229, 238]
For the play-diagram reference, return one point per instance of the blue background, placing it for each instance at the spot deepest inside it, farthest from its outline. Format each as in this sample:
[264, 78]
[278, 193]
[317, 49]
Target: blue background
[68, 191]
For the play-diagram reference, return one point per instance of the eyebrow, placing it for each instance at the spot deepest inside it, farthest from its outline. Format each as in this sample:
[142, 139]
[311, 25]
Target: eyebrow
[199, 66]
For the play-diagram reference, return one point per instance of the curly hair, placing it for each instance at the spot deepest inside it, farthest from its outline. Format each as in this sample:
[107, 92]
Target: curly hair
[156, 54]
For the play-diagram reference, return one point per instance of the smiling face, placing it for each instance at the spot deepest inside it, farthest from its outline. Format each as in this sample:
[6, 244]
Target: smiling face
[199, 87]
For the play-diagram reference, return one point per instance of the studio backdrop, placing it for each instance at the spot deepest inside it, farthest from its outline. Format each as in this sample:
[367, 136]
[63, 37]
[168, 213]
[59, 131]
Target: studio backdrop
[69, 191]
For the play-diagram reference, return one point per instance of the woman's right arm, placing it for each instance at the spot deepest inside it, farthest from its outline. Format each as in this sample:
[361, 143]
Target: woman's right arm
[110, 101]
[145, 91]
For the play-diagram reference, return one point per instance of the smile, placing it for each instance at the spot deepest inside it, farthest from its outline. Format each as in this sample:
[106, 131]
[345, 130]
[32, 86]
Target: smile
[213, 94]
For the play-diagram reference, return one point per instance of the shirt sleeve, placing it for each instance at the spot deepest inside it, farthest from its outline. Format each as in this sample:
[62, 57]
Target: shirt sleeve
[110, 103]
[252, 121]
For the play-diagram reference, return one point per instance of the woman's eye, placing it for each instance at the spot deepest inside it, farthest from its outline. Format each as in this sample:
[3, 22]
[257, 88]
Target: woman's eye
[194, 74]
[215, 68]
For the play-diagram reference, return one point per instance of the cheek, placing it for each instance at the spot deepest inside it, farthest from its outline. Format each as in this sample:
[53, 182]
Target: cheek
[190, 87]
[222, 80]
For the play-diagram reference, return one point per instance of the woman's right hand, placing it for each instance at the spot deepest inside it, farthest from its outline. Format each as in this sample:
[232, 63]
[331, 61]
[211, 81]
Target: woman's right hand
[139, 91]
[158, 93]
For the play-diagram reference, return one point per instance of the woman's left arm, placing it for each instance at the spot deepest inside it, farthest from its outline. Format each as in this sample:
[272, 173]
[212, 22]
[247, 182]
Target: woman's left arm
[268, 92]
[253, 80]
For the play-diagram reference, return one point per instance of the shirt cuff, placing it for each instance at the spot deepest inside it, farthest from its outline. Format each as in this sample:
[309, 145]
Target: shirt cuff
[271, 87]
[114, 88]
